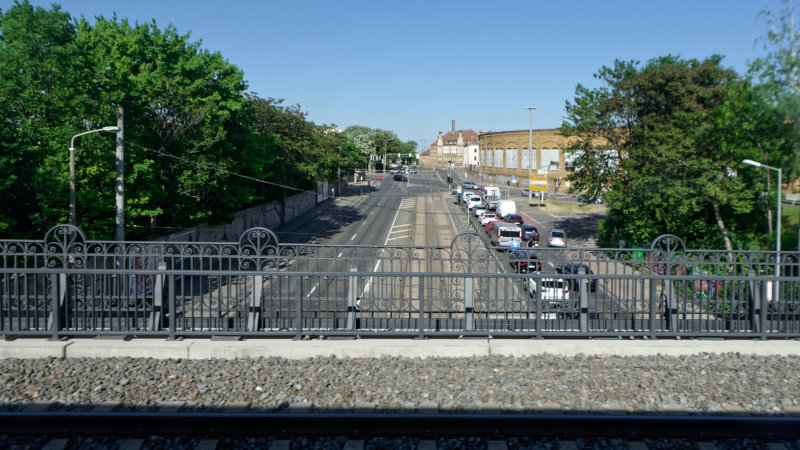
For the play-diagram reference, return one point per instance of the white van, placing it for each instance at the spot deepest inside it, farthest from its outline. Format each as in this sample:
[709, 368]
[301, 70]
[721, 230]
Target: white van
[506, 207]
[506, 235]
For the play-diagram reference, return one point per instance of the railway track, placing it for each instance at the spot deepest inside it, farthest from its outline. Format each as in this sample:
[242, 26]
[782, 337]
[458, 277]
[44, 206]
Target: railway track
[354, 430]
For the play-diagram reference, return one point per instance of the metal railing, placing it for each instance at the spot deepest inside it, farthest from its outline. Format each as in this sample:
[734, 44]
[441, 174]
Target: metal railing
[66, 286]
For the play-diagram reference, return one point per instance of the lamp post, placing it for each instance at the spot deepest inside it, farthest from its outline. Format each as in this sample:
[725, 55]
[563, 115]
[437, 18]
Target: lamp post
[530, 150]
[72, 207]
[750, 162]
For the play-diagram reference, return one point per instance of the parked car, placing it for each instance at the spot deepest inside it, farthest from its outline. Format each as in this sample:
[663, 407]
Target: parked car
[557, 238]
[530, 233]
[552, 289]
[469, 185]
[584, 198]
[524, 261]
[488, 217]
[515, 218]
[573, 268]
[400, 177]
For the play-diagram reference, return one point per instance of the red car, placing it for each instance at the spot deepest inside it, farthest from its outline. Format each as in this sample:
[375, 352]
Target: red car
[515, 218]
[489, 226]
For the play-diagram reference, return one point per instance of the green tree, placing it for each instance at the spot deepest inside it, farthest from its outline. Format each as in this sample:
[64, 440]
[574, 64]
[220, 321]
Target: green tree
[186, 118]
[778, 78]
[42, 79]
[664, 141]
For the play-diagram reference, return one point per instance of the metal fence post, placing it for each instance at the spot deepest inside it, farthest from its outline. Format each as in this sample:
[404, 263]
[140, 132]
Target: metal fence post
[421, 321]
[469, 303]
[352, 286]
[755, 306]
[763, 311]
[537, 296]
[653, 309]
[173, 322]
[254, 314]
[298, 309]
[584, 302]
[154, 323]
[58, 293]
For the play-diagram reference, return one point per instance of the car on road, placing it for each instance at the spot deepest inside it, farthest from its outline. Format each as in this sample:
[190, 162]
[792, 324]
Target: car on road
[584, 198]
[474, 201]
[479, 209]
[489, 226]
[557, 238]
[524, 261]
[515, 218]
[466, 195]
[573, 268]
[488, 217]
[551, 288]
[469, 185]
[530, 233]
[413, 169]
[400, 177]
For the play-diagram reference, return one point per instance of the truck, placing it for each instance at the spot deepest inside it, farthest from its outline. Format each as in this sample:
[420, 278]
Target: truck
[506, 207]
[491, 195]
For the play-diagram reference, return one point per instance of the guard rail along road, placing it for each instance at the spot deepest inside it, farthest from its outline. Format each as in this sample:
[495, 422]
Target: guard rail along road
[67, 286]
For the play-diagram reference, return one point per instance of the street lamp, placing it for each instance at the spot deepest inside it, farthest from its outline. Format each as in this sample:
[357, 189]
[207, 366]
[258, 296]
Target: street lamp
[750, 162]
[72, 169]
[530, 149]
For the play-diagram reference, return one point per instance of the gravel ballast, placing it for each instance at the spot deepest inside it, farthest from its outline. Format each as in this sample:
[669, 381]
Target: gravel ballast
[698, 384]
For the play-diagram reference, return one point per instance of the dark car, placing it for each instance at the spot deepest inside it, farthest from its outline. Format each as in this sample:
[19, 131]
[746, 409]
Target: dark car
[572, 268]
[400, 177]
[530, 233]
[524, 261]
[515, 218]
[469, 185]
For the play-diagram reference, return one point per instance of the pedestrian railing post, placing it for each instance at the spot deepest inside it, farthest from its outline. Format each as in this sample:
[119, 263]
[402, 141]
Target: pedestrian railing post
[58, 294]
[654, 309]
[469, 303]
[298, 308]
[352, 286]
[584, 302]
[173, 321]
[755, 306]
[254, 313]
[154, 323]
[421, 321]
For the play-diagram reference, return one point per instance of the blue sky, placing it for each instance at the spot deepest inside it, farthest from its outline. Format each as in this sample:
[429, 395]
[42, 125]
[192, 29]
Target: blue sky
[412, 66]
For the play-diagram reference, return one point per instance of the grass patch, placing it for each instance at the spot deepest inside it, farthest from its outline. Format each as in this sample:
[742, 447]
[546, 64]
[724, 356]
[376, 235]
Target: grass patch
[556, 207]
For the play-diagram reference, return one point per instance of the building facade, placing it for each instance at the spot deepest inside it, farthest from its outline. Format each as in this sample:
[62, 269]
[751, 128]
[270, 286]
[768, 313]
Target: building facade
[457, 147]
[507, 158]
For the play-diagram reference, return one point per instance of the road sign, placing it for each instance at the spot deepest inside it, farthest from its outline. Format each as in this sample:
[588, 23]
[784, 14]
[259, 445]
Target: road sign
[538, 182]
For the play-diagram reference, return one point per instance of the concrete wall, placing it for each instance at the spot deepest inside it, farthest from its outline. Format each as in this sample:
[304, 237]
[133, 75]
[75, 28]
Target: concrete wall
[269, 215]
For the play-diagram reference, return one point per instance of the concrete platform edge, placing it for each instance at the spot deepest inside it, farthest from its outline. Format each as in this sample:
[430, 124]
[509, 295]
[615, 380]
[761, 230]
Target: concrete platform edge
[377, 348]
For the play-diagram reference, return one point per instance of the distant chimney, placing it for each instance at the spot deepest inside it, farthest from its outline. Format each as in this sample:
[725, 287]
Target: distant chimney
[454, 125]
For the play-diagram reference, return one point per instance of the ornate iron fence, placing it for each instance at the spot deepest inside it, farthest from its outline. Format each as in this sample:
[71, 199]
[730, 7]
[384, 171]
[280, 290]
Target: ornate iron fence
[66, 285]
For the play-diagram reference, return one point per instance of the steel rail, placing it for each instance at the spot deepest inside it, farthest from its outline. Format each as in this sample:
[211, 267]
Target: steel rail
[400, 424]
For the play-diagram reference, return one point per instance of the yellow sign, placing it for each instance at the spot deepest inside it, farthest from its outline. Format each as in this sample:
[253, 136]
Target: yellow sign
[538, 182]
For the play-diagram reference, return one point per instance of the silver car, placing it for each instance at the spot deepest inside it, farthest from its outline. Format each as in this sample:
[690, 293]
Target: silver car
[556, 238]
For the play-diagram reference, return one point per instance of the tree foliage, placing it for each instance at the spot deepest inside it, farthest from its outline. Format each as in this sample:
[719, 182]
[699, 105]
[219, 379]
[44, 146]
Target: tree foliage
[199, 147]
[663, 143]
